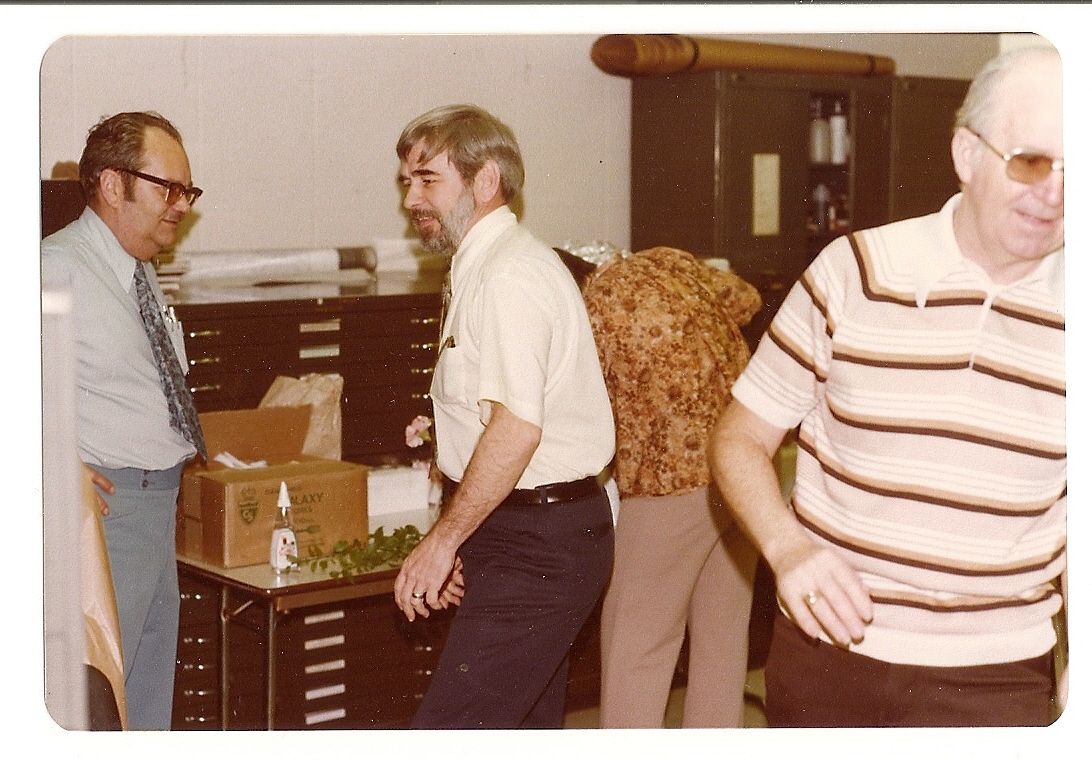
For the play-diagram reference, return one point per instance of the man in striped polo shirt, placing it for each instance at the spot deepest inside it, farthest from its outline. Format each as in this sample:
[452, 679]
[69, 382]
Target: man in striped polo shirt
[922, 560]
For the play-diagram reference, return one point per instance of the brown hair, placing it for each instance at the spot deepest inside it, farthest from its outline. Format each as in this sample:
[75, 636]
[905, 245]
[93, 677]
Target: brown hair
[117, 142]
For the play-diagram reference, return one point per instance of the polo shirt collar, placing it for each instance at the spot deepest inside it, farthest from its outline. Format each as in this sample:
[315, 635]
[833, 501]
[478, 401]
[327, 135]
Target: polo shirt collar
[944, 258]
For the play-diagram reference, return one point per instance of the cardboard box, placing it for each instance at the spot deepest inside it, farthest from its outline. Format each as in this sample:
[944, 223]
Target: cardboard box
[226, 515]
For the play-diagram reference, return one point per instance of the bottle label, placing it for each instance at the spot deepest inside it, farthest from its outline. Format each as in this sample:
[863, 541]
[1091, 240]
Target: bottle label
[282, 546]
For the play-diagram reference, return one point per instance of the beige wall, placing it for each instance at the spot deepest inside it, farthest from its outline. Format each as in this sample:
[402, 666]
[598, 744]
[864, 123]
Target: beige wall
[292, 137]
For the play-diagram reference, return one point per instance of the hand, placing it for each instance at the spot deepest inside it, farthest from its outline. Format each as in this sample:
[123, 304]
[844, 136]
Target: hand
[101, 481]
[823, 593]
[455, 587]
[425, 579]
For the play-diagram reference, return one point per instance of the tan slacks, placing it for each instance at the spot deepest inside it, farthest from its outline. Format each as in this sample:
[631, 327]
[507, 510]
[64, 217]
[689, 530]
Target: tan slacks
[680, 565]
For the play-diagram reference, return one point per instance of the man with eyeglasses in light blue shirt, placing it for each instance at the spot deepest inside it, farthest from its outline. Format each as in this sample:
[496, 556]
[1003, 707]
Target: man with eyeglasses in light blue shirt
[136, 177]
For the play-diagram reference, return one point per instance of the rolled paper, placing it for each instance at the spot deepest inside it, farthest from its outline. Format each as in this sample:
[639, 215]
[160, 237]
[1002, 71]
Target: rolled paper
[632, 55]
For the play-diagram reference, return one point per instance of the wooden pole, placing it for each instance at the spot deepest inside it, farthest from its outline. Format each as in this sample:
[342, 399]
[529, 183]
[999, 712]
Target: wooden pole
[632, 55]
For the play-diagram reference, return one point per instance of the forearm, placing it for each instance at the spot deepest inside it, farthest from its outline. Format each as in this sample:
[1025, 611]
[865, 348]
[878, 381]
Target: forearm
[818, 588]
[501, 456]
[741, 454]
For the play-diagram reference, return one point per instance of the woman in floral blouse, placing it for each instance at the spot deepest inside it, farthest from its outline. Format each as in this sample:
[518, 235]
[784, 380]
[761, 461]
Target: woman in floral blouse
[667, 327]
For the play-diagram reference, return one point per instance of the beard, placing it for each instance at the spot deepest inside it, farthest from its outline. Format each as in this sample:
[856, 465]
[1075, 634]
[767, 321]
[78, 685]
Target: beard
[453, 226]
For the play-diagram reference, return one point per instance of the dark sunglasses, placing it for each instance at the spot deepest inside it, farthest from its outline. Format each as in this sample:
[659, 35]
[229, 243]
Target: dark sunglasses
[1024, 166]
[175, 190]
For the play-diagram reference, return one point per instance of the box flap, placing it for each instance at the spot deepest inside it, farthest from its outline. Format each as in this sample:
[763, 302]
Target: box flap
[270, 433]
[302, 466]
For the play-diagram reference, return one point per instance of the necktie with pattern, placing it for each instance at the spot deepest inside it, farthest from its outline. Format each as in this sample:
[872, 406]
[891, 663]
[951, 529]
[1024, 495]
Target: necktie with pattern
[179, 400]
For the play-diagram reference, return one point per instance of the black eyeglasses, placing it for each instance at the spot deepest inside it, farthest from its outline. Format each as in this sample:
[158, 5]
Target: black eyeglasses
[175, 190]
[1026, 167]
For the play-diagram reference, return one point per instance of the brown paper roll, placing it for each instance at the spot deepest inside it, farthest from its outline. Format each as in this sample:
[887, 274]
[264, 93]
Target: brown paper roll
[102, 632]
[633, 55]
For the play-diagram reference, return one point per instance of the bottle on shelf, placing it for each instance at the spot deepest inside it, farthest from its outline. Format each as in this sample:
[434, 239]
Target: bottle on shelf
[820, 134]
[283, 545]
[820, 202]
[839, 135]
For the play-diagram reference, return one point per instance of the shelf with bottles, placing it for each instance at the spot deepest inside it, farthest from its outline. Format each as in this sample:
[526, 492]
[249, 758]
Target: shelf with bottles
[829, 207]
[829, 139]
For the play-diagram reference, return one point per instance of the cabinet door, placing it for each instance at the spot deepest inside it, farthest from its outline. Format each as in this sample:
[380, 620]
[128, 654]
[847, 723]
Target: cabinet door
[673, 165]
[764, 175]
[922, 175]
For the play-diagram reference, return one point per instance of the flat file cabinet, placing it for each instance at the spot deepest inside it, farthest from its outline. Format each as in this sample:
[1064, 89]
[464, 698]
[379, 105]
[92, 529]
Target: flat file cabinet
[381, 338]
[257, 651]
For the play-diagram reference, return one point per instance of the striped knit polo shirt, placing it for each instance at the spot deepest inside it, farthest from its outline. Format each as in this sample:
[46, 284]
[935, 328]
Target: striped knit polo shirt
[932, 449]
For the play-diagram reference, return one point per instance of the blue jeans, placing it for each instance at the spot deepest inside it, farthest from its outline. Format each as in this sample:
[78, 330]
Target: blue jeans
[533, 576]
[141, 546]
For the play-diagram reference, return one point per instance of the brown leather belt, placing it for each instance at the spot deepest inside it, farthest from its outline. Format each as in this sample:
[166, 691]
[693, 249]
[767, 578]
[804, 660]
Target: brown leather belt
[551, 493]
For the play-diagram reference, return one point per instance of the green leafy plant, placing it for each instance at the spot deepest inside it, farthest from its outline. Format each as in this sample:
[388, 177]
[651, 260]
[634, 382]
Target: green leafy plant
[354, 557]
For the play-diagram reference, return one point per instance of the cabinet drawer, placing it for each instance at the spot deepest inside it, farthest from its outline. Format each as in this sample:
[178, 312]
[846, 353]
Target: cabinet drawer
[212, 334]
[366, 665]
[362, 399]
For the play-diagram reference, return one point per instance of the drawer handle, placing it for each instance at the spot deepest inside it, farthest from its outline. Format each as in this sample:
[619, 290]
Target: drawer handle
[198, 692]
[203, 388]
[205, 360]
[329, 641]
[321, 352]
[205, 334]
[324, 667]
[425, 321]
[419, 396]
[421, 370]
[326, 715]
[328, 325]
[324, 691]
[430, 346]
[324, 617]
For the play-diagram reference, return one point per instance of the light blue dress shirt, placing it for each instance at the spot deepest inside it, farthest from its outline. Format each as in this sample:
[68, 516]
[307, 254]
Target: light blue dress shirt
[121, 412]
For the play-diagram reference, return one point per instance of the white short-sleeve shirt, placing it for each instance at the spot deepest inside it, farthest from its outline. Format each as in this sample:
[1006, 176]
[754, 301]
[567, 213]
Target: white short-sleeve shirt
[517, 333]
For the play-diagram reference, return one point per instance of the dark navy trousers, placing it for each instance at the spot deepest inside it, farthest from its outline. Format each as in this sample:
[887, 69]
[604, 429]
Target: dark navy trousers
[534, 573]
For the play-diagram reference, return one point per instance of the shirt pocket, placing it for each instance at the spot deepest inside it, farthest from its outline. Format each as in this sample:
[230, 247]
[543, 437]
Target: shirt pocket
[177, 335]
[455, 382]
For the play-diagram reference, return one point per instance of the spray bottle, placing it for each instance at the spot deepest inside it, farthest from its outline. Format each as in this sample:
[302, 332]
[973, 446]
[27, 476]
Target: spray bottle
[283, 545]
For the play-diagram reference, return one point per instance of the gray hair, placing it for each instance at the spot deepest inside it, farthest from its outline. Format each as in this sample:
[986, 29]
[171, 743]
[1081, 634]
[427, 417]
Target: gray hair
[471, 137]
[977, 110]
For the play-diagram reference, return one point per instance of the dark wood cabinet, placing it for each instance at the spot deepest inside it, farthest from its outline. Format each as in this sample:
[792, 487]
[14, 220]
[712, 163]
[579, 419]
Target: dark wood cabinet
[922, 175]
[382, 340]
[316, 653]
[319, 653]
[721, 166]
